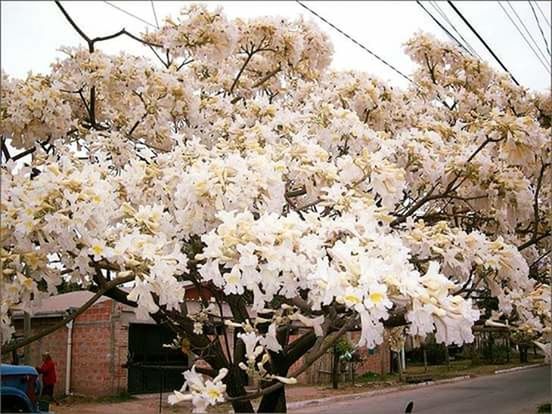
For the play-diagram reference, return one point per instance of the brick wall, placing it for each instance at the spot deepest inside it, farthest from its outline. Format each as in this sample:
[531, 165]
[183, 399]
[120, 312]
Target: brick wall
[100, 345]
[92, 354]
[55, 344]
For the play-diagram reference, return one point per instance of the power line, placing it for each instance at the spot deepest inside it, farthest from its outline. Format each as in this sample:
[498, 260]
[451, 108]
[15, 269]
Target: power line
[355, 41]
[443, 27]
[541, 12]
[523, 36]
[128, 13]
[528, 32]
[540, 28]
[444, 15]
[154, 14]
[482, 41]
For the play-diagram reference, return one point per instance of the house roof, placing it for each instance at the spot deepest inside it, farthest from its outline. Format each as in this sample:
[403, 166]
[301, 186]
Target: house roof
[65, 301]
[57, 305]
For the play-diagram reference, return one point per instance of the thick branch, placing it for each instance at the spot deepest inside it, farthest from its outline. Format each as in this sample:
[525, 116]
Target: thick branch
[329, 341]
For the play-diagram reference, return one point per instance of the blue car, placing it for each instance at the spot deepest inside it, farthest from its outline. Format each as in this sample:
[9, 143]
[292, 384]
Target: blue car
[19, 389]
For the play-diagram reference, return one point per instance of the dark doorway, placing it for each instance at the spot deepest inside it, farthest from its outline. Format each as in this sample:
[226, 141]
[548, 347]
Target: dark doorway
[153, 367]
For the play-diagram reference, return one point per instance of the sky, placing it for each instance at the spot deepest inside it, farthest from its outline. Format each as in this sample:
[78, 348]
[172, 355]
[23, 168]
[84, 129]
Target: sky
[32, 31]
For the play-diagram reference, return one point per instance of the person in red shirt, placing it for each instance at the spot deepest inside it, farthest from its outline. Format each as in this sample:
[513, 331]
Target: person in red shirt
[48, 371]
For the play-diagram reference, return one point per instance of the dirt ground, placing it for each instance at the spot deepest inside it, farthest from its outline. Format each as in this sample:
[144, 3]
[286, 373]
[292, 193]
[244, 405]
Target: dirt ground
[149, 404]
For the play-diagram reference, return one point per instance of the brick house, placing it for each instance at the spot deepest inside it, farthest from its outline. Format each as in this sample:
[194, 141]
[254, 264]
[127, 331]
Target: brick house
[107, 335]
[98, 344]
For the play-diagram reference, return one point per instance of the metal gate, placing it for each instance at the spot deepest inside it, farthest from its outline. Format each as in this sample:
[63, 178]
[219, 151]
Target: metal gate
[152, 367]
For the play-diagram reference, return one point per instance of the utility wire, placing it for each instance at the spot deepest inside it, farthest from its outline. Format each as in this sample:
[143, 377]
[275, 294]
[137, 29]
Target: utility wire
[528, 32]
[154, 14]
[482, 41]
[443, 27]
[128, 13]
[540, 28]
[541, 12]
[523, 36]
[355, 41]
[444, 15]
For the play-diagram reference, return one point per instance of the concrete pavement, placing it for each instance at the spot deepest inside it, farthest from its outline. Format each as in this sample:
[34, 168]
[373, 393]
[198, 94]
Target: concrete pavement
[509, 393]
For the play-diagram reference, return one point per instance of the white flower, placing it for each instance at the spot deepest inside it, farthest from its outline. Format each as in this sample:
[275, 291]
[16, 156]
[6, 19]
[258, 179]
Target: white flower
[252, 351]
[202, 393]
[198, 328]
[377, 297]
[269, 341]
[141, 294]
[315, 323]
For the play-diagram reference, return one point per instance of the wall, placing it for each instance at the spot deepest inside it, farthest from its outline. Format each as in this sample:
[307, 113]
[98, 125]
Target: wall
[92, 354]
[100, 345]
[55, 344]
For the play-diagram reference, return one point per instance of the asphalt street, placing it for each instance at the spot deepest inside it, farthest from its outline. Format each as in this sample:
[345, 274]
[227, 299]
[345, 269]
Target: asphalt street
[510, 393]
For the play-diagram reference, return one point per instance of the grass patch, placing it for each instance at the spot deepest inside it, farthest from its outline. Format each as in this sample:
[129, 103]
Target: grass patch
[108, 399]
[464, 367]
[544, 408]
[121, 397]
[375, 377]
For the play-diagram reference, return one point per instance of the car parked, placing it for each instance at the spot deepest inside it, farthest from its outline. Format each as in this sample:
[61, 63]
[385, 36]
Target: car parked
[19, 389]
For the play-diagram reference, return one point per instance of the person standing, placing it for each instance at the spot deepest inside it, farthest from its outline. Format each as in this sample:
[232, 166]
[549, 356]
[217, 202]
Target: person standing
[48, 371]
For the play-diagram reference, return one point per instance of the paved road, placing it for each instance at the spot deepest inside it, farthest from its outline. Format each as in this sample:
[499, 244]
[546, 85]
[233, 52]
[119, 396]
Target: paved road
[510, 393]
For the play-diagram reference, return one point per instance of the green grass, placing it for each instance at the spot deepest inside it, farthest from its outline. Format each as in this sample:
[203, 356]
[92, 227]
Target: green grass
[544, 408]
[121, 397]
[108, 399]
[465, 367]
[374, 377]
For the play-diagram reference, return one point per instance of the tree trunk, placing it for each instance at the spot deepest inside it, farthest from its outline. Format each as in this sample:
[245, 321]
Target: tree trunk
[523, 351]
[235, 388]
[275, 402]
[335, 368]
[425, 357]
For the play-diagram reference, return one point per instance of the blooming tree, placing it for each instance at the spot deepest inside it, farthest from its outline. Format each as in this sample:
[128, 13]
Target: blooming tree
[237, 162]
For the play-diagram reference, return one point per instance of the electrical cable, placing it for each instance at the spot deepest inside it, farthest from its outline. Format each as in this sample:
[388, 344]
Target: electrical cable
[523, 36]
[128, 13]
[541, 12]
[482, 41]
[355, 41]
[540, 28]
[444, 15]
[443, 27]
[527, 31]
[154, 14]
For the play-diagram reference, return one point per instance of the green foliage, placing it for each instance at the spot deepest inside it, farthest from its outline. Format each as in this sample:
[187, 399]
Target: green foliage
[344, 349]
[375, 377]
[498, 354]
[545, 408]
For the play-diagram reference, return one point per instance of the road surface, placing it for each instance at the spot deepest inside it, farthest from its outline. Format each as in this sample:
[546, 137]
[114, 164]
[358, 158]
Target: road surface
[510, 393]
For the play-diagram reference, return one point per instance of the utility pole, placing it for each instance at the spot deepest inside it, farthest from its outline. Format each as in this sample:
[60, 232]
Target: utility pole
[27, 334]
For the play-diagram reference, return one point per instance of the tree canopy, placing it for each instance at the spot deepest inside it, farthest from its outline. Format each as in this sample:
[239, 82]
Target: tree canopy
[236, 161]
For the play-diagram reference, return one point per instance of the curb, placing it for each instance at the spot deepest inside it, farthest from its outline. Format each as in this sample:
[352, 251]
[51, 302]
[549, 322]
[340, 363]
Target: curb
[504, 371]
[301, 404]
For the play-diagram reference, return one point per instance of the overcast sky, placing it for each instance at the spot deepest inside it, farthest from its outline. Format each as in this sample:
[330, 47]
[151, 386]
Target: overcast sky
[33, 31]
